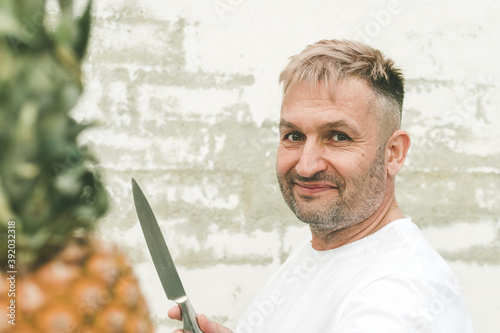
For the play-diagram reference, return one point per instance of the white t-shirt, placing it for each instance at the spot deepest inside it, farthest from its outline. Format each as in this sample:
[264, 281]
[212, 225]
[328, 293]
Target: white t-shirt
[391, 281]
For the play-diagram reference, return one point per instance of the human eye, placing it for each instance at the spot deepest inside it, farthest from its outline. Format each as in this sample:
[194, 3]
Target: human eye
[340, 137]
[294, 137]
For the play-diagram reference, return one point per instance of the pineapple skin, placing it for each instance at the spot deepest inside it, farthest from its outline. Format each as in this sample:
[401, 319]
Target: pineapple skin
[87, 287]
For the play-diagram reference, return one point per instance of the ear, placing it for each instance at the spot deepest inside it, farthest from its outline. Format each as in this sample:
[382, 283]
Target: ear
[396, 150]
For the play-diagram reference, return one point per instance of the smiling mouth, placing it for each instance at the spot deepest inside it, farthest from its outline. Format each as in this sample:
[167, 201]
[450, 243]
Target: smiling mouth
[308, 189]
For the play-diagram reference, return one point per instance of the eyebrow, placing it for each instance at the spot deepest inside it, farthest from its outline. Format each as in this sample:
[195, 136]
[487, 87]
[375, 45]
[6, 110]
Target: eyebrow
[339, 124]
[285, 123]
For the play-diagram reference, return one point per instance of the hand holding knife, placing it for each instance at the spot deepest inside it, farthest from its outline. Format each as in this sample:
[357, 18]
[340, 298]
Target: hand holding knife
[162, 260]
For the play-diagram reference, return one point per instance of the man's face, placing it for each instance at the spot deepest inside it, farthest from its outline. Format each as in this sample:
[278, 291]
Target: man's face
[330, 168]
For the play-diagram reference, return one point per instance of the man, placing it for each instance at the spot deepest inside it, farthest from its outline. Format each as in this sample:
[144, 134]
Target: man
[367, 267]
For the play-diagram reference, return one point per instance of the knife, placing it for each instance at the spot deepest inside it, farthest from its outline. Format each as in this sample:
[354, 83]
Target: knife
[162, 260]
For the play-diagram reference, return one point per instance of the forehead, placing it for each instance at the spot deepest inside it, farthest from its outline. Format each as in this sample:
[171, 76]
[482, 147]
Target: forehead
[350, 100]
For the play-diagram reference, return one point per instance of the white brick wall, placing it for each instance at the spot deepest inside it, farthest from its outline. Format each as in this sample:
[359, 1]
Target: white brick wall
[187, 96]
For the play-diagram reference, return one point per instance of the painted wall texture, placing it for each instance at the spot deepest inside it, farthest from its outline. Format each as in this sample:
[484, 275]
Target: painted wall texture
[187, 99]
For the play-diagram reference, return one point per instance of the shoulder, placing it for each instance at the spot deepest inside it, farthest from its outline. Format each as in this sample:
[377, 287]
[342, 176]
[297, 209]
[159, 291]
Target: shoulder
[401, 247]
[405, 285]
[405, 303]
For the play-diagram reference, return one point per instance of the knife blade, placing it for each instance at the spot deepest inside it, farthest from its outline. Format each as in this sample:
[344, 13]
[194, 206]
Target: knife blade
[162, 260]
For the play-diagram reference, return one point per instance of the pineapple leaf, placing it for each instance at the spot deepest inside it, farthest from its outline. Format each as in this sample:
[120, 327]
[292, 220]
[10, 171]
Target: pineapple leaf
[8, 22]
[83, 33]
[49, 183]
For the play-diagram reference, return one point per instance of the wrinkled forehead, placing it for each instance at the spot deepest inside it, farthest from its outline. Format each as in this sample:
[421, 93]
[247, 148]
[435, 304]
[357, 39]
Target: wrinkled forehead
[347, 89]
[349, 100]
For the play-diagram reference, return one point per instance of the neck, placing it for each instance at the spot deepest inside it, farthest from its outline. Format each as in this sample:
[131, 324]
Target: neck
[326, 240]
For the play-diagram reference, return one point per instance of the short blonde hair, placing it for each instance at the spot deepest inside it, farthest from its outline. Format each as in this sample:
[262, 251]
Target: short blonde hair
[332, 60]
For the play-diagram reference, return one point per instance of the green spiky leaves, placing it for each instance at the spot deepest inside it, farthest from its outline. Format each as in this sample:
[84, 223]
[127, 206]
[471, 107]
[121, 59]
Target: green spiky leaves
[48, 183]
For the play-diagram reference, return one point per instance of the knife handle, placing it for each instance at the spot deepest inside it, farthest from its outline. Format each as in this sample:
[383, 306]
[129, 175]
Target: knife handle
[189, 317]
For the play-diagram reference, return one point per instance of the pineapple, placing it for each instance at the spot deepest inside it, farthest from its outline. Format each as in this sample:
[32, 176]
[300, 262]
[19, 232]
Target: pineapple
[55, 276]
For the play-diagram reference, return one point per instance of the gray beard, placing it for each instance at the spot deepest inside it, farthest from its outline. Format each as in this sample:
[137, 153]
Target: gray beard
[368, 192]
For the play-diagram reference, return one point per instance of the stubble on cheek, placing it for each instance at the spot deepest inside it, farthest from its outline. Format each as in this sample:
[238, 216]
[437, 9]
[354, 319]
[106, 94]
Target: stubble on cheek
[316, 210]
[352, 204]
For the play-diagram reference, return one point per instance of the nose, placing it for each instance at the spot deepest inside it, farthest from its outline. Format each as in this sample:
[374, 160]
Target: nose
[311, 159]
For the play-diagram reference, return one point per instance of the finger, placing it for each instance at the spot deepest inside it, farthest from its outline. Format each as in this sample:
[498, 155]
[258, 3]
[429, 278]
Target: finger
[205, 324]
[208, 326]
[218, 328]
[175, 313]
